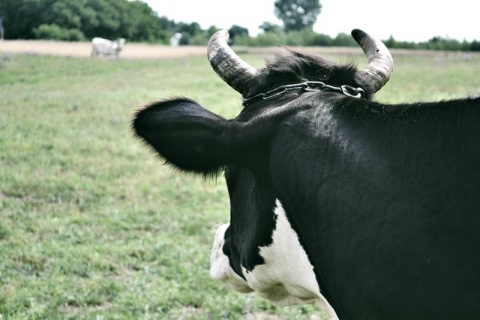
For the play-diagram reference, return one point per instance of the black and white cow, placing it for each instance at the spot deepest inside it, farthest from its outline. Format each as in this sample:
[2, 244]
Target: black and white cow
[370, 210]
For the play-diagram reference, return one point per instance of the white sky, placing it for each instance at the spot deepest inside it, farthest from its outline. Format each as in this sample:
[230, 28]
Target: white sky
[407, 20]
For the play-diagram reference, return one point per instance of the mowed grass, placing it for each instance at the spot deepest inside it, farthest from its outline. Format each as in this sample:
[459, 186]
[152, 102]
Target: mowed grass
[93, 225]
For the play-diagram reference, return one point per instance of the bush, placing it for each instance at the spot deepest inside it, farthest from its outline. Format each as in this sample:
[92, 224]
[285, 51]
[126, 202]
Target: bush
[55, 32]
[75, 35]
[306, 37]
[475, 46]
[200, 39]
[265, 39]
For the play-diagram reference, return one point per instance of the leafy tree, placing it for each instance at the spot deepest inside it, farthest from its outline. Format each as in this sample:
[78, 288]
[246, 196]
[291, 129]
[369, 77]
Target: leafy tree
[55, 32]
[192, 33]
[344, 40]
[19, 18]
[190, 28]
[76, 19]
[140, 22]
[297, 14]
[270, 27]
[475, 45]
[391, 42]
[235, 31]
[167, 24]
[211, 31]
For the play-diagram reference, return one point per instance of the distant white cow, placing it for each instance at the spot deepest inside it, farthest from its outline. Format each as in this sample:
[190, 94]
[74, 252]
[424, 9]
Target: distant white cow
[107, 47]
[175, 39]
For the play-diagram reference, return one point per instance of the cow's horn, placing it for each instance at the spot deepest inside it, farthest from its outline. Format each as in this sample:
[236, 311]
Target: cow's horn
[380, 65]
[237, 73]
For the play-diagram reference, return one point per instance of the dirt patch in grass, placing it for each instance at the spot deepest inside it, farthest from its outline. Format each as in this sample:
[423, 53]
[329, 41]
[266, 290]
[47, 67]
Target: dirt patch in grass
[82, 49]
[152, 51]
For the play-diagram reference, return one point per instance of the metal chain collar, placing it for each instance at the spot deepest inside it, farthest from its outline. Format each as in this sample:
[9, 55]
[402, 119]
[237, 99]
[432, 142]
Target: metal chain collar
[308, 86]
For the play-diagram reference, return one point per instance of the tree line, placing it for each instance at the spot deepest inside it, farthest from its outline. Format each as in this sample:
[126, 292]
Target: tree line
[80, 20]
[307, 37]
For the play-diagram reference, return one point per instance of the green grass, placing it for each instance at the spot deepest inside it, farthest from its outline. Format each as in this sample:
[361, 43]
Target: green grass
[93, 225]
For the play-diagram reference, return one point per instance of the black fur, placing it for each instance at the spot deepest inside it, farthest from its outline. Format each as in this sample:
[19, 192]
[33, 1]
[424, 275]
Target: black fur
[184, 134]
[290, 66]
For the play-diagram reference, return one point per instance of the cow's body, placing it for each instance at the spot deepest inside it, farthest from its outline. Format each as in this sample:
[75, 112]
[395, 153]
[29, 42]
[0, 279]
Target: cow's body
[374, 208]
[107, 47]
[386, 202]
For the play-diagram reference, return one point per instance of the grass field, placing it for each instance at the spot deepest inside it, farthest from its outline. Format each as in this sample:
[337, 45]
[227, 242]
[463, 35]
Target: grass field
[93, 226]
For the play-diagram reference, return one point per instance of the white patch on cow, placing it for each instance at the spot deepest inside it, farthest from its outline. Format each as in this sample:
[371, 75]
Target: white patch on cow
[220, 267]
[287, 275]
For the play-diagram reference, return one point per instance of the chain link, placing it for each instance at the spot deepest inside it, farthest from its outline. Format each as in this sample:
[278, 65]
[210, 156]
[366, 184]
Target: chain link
[307, 86]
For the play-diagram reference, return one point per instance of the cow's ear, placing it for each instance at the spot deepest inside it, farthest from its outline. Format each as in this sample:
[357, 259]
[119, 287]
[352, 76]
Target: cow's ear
[184, 133]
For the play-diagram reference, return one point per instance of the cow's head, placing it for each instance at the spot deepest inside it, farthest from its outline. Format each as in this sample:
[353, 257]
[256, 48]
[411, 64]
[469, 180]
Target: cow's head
[119, 44]
[293, 67]
[268, 152]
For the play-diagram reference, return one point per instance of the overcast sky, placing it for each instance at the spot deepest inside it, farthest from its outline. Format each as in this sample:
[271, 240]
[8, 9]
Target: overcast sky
[408, 20]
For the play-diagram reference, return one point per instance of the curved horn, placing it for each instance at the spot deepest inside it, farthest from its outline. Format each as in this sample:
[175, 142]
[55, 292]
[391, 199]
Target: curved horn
[234, 71]
[380, 66]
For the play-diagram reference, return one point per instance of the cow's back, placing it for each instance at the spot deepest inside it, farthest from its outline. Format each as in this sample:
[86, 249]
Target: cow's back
[103, 46]
[389, 208]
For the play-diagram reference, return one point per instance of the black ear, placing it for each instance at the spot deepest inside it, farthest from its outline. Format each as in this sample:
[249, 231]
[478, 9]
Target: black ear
[184, 133]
